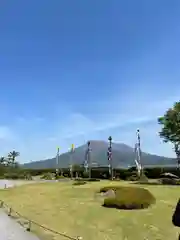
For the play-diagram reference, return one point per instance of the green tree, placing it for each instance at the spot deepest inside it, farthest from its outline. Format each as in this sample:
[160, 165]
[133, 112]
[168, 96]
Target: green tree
[12, 158]
[2, 160]
[170, 131]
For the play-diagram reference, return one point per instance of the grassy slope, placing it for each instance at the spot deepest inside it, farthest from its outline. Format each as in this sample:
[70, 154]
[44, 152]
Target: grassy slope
[75, 211]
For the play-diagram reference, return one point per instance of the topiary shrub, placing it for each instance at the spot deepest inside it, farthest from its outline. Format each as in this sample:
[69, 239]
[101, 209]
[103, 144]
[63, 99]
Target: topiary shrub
[128, 197]
[47, 176]
[132, 178]
[169, 181]
[155, 182]
[143, 179]
[60, 177]
[91, 179]
[77, 182]
[85, 175]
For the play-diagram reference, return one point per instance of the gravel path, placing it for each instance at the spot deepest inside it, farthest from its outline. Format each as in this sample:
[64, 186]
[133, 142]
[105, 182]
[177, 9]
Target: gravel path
[9, 228]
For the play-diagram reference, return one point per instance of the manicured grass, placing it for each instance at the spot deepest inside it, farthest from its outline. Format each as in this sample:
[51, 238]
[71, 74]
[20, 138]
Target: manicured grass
[76, 211]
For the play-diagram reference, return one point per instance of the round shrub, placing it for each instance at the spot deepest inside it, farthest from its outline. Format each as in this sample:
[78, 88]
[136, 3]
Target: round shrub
[169, 181]
[92, 179]
[128, 197]
[132, 178]
[47, 176]
[77, 182]
[60, 177]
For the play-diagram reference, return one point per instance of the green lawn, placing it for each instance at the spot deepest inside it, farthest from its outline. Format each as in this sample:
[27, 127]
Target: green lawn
[75, 210]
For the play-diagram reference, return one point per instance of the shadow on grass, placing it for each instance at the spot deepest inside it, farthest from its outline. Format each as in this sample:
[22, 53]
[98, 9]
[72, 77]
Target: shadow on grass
[127, 208]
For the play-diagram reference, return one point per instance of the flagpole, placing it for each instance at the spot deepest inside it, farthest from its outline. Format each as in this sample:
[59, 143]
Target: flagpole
[57, 162]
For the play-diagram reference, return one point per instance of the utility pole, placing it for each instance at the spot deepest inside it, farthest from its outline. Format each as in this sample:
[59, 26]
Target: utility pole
[71, 160]
[109, 154]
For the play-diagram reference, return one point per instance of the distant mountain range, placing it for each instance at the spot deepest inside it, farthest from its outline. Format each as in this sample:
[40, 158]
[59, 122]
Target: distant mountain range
[122, 154]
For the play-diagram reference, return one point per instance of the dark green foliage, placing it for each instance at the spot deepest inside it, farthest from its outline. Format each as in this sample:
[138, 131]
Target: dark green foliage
[102, 173]
[60, 177]
[143, 178]
[91, 179]
[132, 178]
[13, 176]
[149, 183]
[107, 188]
[85, 174]
[79, 182]
[162, 181]
[170, 123]
[47, 176]
[170, 131]
[169, 181]
[16, 175]
[128, 197]
[28, 176]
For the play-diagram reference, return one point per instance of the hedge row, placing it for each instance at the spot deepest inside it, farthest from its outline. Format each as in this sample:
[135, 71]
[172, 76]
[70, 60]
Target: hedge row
[103, 173]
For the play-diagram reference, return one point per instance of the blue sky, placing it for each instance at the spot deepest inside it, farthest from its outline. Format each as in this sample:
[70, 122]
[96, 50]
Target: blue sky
[71, 71]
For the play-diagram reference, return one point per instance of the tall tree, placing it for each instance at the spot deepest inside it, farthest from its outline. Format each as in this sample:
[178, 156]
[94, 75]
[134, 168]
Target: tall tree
[170, 131]
[12, 157]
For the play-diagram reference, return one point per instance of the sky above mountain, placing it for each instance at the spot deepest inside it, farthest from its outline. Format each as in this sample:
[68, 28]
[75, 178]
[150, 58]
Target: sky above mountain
[77, 70]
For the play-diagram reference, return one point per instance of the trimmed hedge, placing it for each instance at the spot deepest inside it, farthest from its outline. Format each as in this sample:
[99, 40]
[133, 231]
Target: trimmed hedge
[16, 176]
[91, 179]
[128, 197]
[169, 181]
[47, 176]
[77, 182]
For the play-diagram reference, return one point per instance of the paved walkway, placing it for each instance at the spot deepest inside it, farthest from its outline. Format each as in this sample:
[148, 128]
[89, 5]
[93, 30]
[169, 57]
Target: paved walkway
[9, 228]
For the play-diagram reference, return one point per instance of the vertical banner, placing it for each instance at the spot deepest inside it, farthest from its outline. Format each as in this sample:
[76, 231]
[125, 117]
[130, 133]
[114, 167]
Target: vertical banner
[87, 157]
[57, 157]
[71, 160]
[57, 161]
[138, 152]
[109, 154]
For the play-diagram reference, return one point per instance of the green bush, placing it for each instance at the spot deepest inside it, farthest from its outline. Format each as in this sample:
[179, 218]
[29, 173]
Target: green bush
[169, 181]
[13, 176]
[132, 178]
[47, 176]
[16, 176]
[128, 197]
[60, 177]
[77, 182]
[143, 179]
[149, 183]
[85, 175]
[91, 179]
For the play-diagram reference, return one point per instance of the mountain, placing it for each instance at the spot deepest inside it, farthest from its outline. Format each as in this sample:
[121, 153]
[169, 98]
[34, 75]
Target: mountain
[122, 155]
